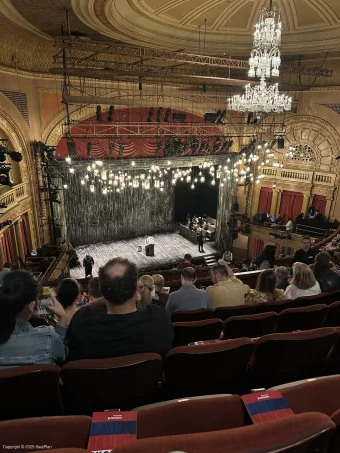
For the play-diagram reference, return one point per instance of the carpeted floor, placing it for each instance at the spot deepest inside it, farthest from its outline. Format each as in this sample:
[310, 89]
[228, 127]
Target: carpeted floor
[168, 247]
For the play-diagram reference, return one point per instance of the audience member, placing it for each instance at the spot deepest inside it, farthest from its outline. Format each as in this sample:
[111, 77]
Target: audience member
[282, 278]
[188, 297]
[119, 328]
[227, 289]
[305, 254]
[324, 274]
[265, 289]
[5, 270]
[303, 282]
[289, 225]
[187, 262]
[20, 343]
[158, 280]
[146, 289]
[267, 258]
[88, 263]
[67, 293]
[299, 217]
[94, 290]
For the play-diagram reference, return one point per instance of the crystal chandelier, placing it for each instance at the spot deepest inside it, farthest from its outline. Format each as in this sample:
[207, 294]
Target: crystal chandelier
[261, 98]
[265, 57]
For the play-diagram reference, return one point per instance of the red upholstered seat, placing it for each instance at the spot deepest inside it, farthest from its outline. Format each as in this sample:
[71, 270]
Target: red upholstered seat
[284, 357]
[29, 391]
[278, 306]
[187, 332]
[53, 432]
[118, 383]
[333, 297]
[332, 318]
[333, 359]
[302, 433]
[251, 326]
[306, 301]
[207, 369]
[305, 318]
[187, 416]
[236, 310]
[192, 315]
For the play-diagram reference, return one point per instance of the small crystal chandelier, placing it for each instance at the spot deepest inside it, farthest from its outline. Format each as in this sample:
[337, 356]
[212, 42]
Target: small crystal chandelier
[265, 58]
[261, 98]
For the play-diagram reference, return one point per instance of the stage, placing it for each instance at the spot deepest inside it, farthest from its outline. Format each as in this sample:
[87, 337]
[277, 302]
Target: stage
[168, 247]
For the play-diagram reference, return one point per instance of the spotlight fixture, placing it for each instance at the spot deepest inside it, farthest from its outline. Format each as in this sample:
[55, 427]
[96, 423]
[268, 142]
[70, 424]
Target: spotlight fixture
[2, 154]
[217, 145]
[121, 148]
[111, 113]
[140, 85]
[89, 149]
[16, 157]
[5, 177]
[111, 148]
[150, 115]
[167, 115]
[281, 142]
[158, 148]
[71, 148]
[3, 206]
[159, 114]
[220, 118]
[98, 113]
[273, 143]
[4, 224]
[194, 144]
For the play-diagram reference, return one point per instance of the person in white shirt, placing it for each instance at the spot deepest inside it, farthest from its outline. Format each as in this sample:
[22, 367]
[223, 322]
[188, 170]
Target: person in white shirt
[289, 225]
[303, 282]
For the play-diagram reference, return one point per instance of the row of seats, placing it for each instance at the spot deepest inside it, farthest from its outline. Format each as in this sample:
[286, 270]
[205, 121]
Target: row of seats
[254, 326]
[230, 366]
[208, 423]
[238, 310]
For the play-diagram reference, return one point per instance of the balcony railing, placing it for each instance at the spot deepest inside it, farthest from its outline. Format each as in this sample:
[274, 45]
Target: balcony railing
[13, 196]
[325, 179]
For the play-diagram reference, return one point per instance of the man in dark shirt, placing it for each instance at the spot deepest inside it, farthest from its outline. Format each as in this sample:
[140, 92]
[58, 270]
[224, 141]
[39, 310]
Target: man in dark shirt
[305, 254]
[186, 263]
[118, 329]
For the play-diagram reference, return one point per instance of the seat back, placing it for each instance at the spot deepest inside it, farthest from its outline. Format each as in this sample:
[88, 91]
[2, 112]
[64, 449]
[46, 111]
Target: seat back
[306, 318]
[118, 383]
[52, 432]
[192, 315]
[207, 369]
[307, 301]
[301, 433]
[313, 395]
[332, 318]
[251, 326]
[236, 310]
[29, 391]
[167, 418]
[284, 357]
[188, 332]
[332, 297]
[278, 306]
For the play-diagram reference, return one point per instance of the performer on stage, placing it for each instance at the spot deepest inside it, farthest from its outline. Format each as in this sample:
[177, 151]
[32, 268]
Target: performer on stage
[200, 239]
[88, 262]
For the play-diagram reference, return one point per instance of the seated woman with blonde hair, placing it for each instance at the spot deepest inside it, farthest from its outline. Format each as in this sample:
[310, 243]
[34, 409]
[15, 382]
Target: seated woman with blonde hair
[147, 295]
[265, 289]
[303, 282]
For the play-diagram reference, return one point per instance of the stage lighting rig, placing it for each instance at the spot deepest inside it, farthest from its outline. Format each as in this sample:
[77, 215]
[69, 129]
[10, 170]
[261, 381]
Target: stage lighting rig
[217, 145]
[281, 142]
[158, 148]
[15, 156]
[150, 115]
[89, 149]
[194, 145]
[4, 224]
[111, 148]
[5, 177]
[121, 148]
[159, 114]
[3, 206]
[111, 113]
[98, 113]
[167, 115]
[221, 117]
[2, 154]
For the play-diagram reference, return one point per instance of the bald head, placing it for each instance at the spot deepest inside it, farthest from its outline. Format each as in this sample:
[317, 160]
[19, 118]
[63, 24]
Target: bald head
[118, 280]
[158, 281]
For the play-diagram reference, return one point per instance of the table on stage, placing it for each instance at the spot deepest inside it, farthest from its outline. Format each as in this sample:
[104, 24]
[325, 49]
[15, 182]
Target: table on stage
[187, 233]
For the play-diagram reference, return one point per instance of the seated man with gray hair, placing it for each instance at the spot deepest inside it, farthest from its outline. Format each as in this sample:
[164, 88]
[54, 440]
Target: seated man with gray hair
[282, 276]
[158, 280]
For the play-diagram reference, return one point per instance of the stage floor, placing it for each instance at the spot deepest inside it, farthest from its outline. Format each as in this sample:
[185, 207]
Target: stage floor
[168, 247]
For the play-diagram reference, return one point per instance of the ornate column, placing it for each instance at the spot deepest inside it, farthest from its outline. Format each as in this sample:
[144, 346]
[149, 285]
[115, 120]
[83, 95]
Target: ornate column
[278, 204]
[305, 203]
[18, 235]
[31, 233]
[274, 206]
[328, 207]
[254, 200]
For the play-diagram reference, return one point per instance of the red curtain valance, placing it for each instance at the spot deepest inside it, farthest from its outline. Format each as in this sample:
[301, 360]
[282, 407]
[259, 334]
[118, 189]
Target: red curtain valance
[291, 204]
[319, 203]
[265, 200]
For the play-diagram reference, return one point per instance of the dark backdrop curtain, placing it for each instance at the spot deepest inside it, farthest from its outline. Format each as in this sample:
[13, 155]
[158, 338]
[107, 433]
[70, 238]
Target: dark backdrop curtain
[319, 203]
[265, 200]
[291, 204]
[255, 247]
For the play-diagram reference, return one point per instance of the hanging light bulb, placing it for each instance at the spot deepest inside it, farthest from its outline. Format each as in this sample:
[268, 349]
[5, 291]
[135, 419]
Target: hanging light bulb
[202, 179]
[68, 160]
[192, 186]
[88, 168]
[65, 186]
[82, 182]
[133, 163]
[99, 163]
[213, 182]
[92, 188]
[72, 170]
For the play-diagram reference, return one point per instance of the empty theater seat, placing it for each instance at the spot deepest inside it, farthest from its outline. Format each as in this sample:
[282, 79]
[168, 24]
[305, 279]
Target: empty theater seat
[306, 301]
[237, 310]
[54, 432]
[305, 318]
[29, 391]
[278, 306]
[302, 433]
[207, 369]
[188, 332]
[284, 357]
[332, 318]
[192, 315]
[118, 383]
[189, 415]
[251, 326]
